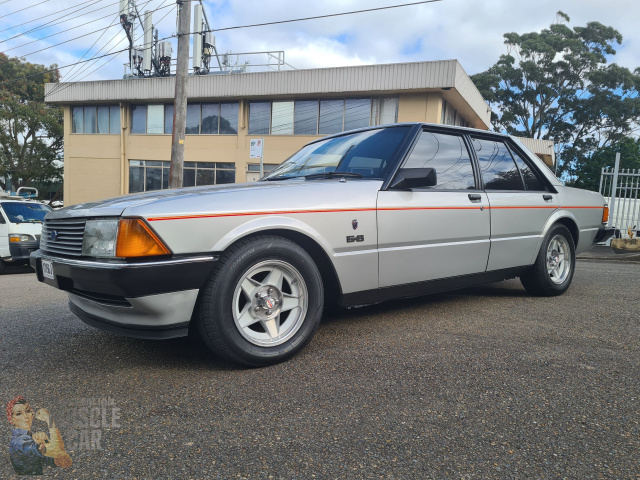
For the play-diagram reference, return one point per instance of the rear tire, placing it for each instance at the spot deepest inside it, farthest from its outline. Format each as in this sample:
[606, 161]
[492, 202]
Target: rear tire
[553, 270]
[263, 302]
[2, 267]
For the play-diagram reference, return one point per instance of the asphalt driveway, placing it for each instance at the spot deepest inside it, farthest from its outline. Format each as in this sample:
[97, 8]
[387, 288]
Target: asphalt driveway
[487, 382]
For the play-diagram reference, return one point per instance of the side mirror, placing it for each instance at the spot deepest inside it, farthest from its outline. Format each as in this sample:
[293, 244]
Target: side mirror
[408, 178]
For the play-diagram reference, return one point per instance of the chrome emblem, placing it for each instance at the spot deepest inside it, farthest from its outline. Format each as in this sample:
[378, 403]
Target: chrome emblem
[53, 235]
[354, 224]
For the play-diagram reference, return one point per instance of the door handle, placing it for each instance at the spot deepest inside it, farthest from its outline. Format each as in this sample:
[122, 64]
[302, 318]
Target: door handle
[474, 197]
[547, 197]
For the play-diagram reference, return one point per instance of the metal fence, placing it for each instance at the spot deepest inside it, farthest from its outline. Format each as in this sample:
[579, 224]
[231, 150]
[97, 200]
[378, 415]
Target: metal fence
[621, 188]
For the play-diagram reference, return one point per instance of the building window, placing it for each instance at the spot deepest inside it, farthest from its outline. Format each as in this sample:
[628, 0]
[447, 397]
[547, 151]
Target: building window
[103, 119]
[229, 114]
[259, 116]
[89, 120]
[282, 118]
[357, 112]
[155, 119]
[149, 175]
[320, 117]
[206, 118]
[267, 167]
[77, 120]
[168, 119]
[305, 113]
[331, 116]
[114, 120]
[139, 119]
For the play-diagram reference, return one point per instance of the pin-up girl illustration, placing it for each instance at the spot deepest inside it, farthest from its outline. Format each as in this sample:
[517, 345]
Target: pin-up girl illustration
[30, 453]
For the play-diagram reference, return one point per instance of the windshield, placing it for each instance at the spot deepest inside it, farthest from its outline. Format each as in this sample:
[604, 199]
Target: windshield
[367, 154]
[23, 212]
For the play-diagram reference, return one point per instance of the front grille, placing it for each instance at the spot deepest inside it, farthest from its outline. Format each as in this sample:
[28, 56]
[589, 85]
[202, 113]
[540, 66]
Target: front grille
[68, 237]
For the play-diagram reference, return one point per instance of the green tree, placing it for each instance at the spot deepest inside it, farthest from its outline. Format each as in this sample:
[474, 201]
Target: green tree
[31, 132]
[590, 167]
[557, 85]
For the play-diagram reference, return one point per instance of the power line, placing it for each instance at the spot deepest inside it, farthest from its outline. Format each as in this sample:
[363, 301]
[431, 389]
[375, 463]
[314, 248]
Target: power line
[60, 32]
[318, 16]
[23, 9]
[59, 68]
[66, 85]
[75, 38]
[87, 66]
[50, 22]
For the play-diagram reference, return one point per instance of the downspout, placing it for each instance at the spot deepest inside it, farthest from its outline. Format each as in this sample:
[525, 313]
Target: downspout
[123, 158]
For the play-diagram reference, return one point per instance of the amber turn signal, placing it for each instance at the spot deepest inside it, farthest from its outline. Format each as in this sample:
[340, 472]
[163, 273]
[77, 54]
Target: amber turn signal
[136, 239]
[605, 214]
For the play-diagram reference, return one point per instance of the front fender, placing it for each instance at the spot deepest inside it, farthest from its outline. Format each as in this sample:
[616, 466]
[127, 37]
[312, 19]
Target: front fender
[262, 224]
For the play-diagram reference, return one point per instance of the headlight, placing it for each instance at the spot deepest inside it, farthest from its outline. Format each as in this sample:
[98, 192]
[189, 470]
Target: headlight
[100, 238]
[19, 237]
[124, 238]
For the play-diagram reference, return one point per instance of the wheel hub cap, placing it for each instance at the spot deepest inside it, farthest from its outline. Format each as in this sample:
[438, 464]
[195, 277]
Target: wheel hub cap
[270, 303]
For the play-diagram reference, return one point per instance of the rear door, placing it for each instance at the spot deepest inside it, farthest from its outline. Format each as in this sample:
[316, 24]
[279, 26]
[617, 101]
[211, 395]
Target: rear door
[436, 232]
[519, 200]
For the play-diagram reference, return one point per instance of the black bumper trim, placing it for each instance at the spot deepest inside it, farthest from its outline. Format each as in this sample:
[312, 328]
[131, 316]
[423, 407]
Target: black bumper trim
[126, 280]
[133, 331]
[604, 234]
[20, 251]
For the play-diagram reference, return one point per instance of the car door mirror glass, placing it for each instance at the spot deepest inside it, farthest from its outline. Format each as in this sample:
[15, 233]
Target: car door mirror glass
[408, 178]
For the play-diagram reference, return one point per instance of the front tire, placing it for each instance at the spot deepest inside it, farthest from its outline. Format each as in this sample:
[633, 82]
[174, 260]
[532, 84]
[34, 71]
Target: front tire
[263, 303]
[553, 270]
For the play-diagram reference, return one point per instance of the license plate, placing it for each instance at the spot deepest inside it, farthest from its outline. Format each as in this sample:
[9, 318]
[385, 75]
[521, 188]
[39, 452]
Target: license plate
[47, 269]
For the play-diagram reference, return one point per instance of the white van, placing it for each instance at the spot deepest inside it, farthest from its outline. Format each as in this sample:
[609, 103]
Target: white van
[20, 229]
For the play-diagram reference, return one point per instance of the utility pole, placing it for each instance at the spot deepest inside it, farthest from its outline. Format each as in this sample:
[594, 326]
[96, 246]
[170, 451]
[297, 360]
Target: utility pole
[180, 101]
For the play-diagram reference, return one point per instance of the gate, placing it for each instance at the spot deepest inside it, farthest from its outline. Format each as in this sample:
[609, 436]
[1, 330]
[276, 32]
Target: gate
[621, 189]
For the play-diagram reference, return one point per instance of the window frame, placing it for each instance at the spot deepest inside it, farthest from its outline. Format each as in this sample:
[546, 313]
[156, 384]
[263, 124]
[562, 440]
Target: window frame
[479, 186]
[511, 147]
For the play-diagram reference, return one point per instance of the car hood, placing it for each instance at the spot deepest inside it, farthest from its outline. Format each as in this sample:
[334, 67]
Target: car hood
[155, 200]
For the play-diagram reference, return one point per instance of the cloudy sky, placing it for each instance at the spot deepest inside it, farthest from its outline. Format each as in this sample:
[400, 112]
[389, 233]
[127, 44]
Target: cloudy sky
[468, 30]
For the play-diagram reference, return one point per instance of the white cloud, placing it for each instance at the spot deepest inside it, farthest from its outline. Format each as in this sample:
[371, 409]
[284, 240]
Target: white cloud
[468, 30]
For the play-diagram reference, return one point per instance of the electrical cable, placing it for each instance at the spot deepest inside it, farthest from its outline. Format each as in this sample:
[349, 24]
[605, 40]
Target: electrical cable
[23, 9]
[87, 66]
[317, 17]
[45, 16]
[220, 29]
[72, 39]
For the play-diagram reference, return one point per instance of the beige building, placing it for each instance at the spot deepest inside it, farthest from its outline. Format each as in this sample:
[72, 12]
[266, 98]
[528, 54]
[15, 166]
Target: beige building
[117, 133]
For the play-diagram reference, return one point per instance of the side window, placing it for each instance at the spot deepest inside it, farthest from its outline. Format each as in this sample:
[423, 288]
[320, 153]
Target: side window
[531, 180]
[2, 221]
[499, 171]
[448, 155]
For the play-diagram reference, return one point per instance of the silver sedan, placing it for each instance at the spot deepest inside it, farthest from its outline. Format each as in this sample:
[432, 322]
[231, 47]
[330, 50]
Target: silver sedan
[352, 219]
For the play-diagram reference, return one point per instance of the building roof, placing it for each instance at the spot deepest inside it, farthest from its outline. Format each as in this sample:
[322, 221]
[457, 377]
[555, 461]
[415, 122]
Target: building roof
[446, 77]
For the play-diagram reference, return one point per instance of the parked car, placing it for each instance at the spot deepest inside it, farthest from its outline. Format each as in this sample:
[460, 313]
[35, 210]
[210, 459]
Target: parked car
[356, 218]
[20, 228]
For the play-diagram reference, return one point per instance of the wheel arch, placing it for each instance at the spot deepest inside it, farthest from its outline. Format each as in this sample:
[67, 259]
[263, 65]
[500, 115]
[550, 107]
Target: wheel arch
[330, 279]
[559, 217]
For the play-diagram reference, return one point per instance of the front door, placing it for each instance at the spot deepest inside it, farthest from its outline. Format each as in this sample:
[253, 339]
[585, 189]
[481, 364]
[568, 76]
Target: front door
[437, 232]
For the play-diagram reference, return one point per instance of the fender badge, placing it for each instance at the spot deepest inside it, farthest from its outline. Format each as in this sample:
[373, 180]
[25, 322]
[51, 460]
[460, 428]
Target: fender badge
[354, 224]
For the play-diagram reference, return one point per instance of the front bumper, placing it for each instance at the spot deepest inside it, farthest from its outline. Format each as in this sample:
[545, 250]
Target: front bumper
[604, 234]
[21, 251]
[144, 299]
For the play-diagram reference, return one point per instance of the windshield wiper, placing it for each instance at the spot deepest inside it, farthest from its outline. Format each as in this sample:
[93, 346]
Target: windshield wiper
[333, 175]
[278, 178]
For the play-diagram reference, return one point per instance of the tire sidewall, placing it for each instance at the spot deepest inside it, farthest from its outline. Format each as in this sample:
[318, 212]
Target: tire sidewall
[255, 251]
[550, 286]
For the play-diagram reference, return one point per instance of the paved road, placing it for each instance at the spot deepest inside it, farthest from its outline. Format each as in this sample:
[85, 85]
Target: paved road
[483, 383]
